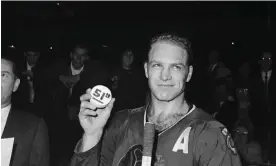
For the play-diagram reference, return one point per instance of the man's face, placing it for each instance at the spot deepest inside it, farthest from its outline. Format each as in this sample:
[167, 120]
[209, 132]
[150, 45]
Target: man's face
[9, 82]
[32, 57]
[242, 94]
[266, 61]
[78, 57]
[167, 71]
[127, 59]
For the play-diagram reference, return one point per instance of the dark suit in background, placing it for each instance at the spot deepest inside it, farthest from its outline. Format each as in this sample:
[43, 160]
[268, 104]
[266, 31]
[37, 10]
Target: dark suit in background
[65, 128]
[263, 108]
[228, 114]
[42, 98]
[210, 87]
[31, 144]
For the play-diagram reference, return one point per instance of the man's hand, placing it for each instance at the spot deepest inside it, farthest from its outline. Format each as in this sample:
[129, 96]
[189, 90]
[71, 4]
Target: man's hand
[93, 119]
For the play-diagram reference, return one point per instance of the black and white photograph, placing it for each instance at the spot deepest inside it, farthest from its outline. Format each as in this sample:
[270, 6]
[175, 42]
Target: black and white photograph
[138, 83]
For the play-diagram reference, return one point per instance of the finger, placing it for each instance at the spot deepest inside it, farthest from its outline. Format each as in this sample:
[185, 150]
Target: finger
[87, 105]
[88, 90]
[87, 112]
[85, 97]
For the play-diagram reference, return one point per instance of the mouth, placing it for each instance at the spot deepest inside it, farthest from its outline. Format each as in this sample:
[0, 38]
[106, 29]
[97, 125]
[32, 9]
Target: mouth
[165, 85]
[77, 63]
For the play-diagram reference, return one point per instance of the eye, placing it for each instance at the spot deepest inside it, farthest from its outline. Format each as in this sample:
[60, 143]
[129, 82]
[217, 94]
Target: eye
[177, 67]
[156, 65]
[5, 75]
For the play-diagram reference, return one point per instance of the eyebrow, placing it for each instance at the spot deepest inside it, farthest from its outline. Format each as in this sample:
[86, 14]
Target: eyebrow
[7, 72]
[177, 64]
[173, 64]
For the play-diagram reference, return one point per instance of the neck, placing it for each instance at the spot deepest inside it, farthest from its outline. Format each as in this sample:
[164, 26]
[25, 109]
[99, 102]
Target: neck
[164, 108]
[75, 67]
[164, 114]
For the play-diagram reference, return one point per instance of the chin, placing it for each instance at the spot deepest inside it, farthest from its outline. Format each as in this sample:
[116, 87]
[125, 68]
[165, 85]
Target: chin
[77, 67]
[165, 97]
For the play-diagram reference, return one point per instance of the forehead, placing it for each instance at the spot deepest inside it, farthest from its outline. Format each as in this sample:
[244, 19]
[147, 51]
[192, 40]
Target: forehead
[168, 52]
[80, 51]
[6, 65]
[32, 53]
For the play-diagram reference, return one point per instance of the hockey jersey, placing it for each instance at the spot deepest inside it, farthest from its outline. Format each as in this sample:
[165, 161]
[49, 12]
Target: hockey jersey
[195, 140]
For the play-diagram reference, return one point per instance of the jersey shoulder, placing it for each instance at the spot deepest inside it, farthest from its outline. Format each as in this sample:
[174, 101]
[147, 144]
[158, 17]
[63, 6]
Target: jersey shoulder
[124, 116]
[209, 131]
[202, 118]
[204, 125]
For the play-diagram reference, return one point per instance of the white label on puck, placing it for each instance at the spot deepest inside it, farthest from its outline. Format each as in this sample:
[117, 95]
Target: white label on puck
[100, 96]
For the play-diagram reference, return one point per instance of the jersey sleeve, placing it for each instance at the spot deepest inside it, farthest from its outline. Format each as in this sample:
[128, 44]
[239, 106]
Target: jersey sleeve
[102, 154]
[214, 146]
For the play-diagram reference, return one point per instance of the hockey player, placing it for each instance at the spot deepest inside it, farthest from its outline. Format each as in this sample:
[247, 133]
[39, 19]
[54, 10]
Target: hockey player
[186, 135]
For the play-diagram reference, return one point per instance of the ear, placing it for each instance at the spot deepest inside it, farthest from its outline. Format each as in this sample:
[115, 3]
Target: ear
[190, 73]
[16, 84]
[146, 69]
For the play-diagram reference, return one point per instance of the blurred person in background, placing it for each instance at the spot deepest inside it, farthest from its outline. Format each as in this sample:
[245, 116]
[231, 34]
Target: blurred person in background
[249, 149]
[262, 92]
[211, 76]
[223, 99]
[243, 75]
[69, 79]
[31, 143]
[33, 90]
[128, 83]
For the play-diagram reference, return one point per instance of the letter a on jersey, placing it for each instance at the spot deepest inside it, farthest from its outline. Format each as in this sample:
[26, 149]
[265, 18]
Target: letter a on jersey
[183, 141]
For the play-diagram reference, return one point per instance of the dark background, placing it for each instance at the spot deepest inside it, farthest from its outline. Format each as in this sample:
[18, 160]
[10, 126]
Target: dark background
[120, 25]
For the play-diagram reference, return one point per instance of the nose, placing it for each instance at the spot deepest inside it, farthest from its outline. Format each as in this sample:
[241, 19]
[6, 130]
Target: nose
[78, 58]
[165, 74]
